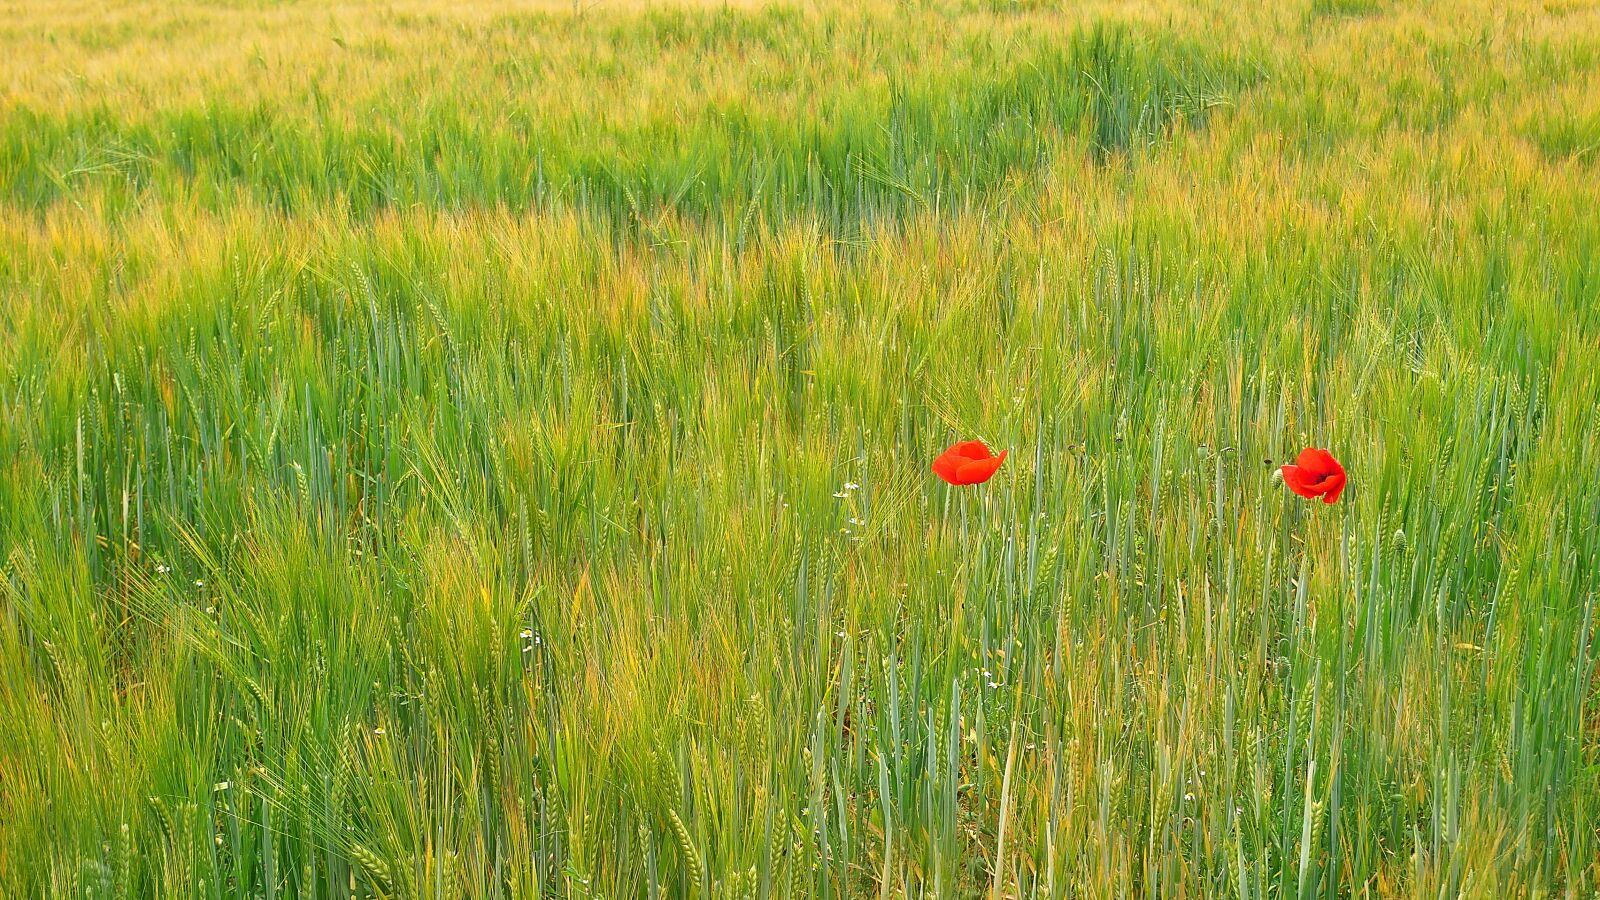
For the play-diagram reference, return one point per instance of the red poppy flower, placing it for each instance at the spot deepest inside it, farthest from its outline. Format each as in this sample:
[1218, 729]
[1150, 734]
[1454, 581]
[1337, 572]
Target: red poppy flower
[968, 462]
[1315, 474]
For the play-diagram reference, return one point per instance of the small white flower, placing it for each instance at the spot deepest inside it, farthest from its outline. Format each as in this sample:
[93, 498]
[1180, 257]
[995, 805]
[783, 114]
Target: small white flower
[162, 569]
[851, 485]
[380, 731]
[841, 634]
[198, 583]
[211, 610]
[994, 684]
[1188, 798]
[842, 494]
[527, 633]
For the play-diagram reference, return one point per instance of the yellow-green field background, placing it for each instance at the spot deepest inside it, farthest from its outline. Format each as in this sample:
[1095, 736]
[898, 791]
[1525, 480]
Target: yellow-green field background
[481, 449]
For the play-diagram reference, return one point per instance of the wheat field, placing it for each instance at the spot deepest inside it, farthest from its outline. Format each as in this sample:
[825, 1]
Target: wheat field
[481, 449]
